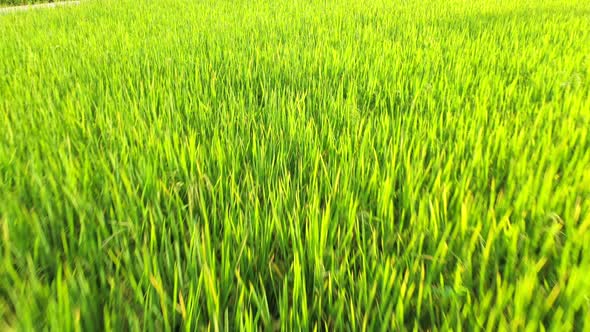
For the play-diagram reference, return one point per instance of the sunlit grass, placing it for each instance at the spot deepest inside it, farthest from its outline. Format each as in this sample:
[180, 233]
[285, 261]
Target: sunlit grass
[378, 165]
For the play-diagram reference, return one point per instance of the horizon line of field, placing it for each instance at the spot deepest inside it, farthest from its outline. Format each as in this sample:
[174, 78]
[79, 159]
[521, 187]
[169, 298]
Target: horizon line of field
[12, 9]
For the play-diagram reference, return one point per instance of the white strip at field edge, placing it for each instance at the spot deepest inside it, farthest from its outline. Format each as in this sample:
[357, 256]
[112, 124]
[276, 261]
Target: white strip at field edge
[37, 6]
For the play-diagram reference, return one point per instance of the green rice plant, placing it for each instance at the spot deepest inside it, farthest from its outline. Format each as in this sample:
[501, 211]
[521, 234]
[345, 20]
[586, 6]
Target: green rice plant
[295, 165]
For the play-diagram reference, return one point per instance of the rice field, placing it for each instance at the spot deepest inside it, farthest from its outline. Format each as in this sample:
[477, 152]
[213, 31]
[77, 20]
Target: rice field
[382, 165]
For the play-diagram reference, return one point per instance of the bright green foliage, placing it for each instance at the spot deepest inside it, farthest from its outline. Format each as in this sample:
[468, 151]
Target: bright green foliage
[296, 165]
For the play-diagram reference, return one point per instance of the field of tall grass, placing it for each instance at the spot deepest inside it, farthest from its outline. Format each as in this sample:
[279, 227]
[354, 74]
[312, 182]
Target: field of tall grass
[295, 165]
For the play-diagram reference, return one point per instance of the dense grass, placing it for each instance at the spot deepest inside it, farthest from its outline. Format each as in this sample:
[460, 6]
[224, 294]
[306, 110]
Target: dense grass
[378, 165]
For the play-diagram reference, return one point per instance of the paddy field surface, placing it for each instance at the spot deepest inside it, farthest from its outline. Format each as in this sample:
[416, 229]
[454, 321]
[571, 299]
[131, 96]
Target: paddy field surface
[295, 165]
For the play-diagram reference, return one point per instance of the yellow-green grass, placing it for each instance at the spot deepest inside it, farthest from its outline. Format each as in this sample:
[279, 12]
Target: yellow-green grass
[362, 165]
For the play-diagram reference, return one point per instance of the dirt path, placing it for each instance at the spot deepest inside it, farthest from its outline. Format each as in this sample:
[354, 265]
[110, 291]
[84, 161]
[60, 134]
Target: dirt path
[39, 6]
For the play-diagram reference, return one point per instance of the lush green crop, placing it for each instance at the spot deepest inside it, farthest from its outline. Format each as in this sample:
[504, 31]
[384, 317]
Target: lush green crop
[378, 165]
